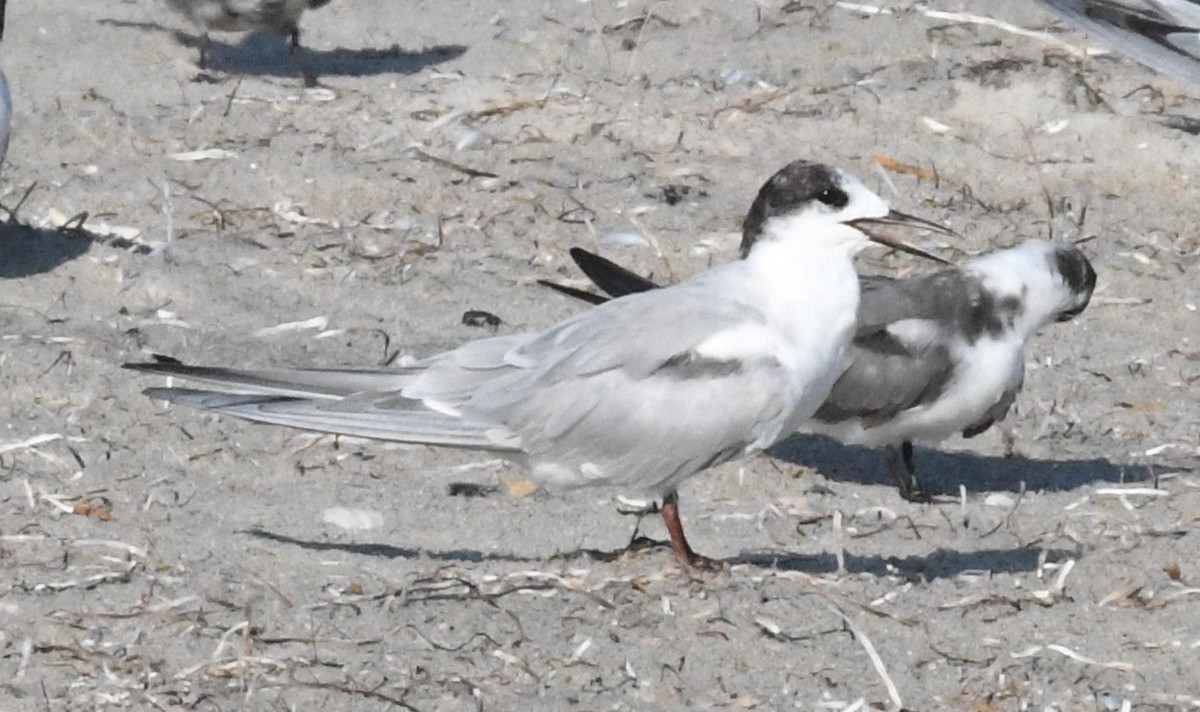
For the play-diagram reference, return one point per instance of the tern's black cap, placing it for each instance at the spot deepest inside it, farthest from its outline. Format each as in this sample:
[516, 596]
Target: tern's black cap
[795, 184]
[1079, 276]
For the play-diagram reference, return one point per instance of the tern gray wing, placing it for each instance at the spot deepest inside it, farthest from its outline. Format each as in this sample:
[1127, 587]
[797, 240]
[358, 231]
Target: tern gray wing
[584, 395]
[901, 355]
[577, 402]
[884, 378]
[1163, 35]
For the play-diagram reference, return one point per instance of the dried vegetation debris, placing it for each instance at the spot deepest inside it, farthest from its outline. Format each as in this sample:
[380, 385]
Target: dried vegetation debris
[248, 220]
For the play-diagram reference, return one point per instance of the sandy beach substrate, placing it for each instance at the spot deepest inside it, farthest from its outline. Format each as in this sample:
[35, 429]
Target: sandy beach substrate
[155, 558]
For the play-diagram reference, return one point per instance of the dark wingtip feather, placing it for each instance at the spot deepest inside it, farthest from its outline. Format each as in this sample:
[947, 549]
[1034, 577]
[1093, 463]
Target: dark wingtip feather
[210, 400]
[613, 279]
[580, 294]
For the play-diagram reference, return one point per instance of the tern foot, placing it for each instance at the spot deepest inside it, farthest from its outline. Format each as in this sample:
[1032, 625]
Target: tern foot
[913, 493]
[685, 556]
[689, 561]
[697, 563]
[904, 470]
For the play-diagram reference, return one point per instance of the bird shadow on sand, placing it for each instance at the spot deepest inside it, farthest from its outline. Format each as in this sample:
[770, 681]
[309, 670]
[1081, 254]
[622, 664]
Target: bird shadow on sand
[941, 472]
[27, 250]
[939, 563]
[267, 53]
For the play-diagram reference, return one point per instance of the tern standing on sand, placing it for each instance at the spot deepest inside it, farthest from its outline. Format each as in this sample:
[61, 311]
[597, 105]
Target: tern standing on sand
[639, 393]
[282, 16]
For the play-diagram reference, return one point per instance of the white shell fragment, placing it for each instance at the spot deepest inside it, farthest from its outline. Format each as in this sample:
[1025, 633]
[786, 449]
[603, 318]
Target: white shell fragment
[319, 323]
[626, 238]
[352, 518]
[207, 154]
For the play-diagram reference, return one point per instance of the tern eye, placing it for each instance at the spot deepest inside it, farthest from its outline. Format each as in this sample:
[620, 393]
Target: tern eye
[834, 197]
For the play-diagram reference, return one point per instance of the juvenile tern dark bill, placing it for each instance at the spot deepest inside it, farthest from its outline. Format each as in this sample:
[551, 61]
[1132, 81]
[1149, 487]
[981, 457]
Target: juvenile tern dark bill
[1163, 35]
[282, 16]
[639, 393]
[932, 356]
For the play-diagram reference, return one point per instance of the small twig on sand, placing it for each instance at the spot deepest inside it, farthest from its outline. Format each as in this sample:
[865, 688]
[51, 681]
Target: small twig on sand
[877, 661]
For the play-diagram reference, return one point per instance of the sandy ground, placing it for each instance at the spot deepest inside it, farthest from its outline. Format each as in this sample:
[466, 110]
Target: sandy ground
[159, 559]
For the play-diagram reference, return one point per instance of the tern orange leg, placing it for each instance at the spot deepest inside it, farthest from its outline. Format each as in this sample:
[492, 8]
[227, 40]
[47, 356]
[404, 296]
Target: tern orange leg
[687, 558]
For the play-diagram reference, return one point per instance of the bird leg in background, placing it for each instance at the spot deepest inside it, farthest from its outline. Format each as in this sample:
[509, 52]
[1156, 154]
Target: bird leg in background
[687, 558]
[310, 79]
[12, 212]
[903, 469]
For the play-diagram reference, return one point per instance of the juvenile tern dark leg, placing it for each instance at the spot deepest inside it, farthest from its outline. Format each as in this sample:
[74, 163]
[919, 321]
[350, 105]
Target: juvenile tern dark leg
[903, 469]
[205, 45]
[310, 79]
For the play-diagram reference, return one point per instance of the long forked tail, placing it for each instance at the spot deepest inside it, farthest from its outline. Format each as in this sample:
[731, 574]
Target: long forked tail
[364, 404]
[300, 383]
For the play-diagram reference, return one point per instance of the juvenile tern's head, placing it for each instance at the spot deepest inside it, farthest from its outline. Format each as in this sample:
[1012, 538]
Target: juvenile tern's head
[1078, 278]
[1033, 284]
[813, 201]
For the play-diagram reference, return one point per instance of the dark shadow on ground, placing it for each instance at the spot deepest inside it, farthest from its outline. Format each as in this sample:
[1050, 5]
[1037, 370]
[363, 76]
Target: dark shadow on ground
[26, 250]
[941, 472]
[267, 53]
[940, 563]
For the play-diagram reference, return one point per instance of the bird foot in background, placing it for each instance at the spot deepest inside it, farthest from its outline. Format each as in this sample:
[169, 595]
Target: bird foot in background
[900, 462]
[206, 78]
[205, 46]
[912, 492]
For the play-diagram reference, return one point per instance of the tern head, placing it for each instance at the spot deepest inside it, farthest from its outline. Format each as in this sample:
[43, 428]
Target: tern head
[813, 201]
[1035, 283]
[1078, 278]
